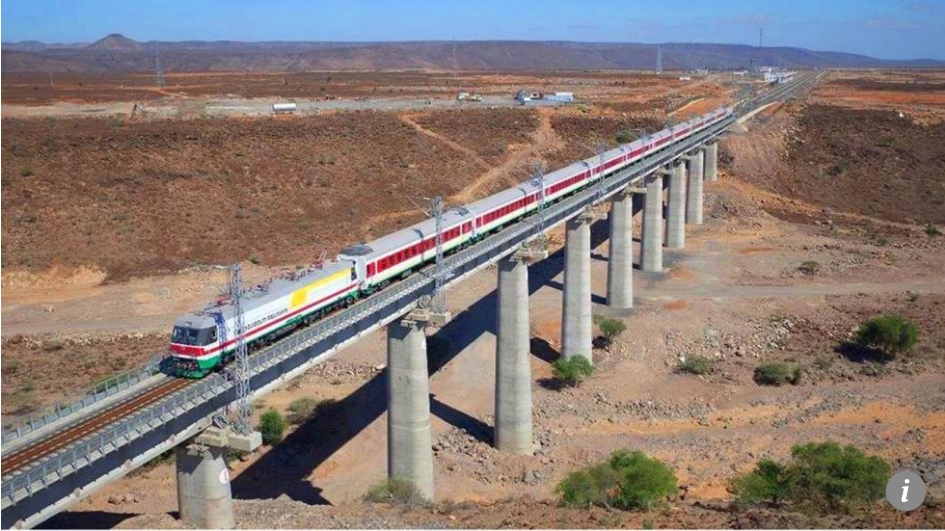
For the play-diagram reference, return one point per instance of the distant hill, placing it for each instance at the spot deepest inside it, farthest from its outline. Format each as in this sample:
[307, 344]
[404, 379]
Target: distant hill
[116, 53]
[115, 41]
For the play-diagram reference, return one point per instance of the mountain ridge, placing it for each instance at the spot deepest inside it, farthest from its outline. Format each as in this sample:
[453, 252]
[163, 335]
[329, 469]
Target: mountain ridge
[117, 53]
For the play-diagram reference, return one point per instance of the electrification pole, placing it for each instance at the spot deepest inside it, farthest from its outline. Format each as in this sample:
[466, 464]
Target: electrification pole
[235, 287]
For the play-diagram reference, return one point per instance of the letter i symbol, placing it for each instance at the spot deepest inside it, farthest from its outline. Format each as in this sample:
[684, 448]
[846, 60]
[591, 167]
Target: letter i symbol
[905, 491]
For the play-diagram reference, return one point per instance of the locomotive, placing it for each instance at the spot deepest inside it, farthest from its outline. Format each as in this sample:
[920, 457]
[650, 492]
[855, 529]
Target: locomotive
[203, 341]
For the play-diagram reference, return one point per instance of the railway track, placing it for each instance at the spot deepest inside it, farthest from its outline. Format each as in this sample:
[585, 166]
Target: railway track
[49, 445]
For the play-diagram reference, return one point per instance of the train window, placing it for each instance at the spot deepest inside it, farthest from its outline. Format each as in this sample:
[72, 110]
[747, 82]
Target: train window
[213, 335]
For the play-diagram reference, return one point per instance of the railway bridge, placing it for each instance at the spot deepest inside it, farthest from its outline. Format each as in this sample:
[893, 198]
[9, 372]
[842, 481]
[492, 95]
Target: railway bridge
[53, 460]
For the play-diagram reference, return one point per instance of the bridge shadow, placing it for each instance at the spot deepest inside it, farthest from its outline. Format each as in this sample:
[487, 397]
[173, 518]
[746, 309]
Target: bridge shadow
[285, 469]
[459, 419]
[85, 520]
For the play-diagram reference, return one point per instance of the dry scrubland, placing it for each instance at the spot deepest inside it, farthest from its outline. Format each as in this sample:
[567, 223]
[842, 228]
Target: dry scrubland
[820, 220]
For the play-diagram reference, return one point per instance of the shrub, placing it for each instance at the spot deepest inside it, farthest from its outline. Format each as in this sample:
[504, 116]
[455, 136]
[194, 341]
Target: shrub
[51, 345]
[624, 136]
[395, 490]
[777, 374]
[628, 480]
[819, 477]
[611, 328]
[572, 371]
[232, 455]
[301, 410]
[588, 486]
[809, 267]
[890, 333]
[932, 231]
[765, 483]
[695, 365]
[27, 170]
[271, 426]
[645, 480]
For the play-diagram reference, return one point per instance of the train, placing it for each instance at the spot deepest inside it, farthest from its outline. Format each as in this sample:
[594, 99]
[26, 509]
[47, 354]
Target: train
[203, 341]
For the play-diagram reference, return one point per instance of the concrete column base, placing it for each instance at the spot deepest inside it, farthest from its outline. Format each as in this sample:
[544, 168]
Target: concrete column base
[712, 162]
[651, 253]
[203, 487]
[576, 322]
[513, 372]
[620, 260]
[409, 441]
[694, 197]
[676, 209]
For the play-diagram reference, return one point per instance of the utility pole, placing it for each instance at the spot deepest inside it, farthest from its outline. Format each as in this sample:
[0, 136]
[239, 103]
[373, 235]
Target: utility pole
[600, 148]
[229, 430]
[541, 242]
[438, 302]
[235, 288]
[158, 69]
[659, 59]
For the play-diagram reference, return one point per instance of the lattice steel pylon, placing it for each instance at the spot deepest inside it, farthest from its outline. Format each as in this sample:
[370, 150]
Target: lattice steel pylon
[158, 69]
[600, 148]
[235, 289]
[541, 241]
[438, 301]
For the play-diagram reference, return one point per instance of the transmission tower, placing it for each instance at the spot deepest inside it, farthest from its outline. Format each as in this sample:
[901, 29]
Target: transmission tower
[761, 37]
[158, 69]
[659, 59]
[235, 289]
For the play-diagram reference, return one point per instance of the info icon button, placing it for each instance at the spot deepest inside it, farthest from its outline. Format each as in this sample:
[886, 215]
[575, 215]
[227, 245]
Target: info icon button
[905, 490]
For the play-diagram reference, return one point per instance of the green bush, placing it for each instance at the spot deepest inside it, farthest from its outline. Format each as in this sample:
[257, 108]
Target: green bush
[695, 365]
[890, 333]
[611, 328]
[932, 230]
[809, 267]
[645, 480]
[820, 477]
[777, 374]
[624, 136]
[271, 426]
[395, 490]
[301, 410]
[588, 486]
[572, 371]
[628, 480]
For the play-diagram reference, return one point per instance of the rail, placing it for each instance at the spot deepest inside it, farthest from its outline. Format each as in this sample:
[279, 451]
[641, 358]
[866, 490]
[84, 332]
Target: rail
[19, 427]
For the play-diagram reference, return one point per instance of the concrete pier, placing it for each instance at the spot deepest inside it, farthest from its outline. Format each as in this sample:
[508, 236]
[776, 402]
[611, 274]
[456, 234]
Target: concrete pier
[620, 260]
[513, 370]
[576, 329]
[712, 162]
[694, 199]
[204, 497]
[409, 442]
[676, 208]
[651, 253]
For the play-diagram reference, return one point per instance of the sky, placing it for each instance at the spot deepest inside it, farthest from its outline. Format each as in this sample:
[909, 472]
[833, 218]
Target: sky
[887, 29]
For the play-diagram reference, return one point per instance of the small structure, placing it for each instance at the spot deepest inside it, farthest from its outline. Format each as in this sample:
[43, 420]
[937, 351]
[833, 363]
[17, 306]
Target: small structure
[283, 108]
[566, 97]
